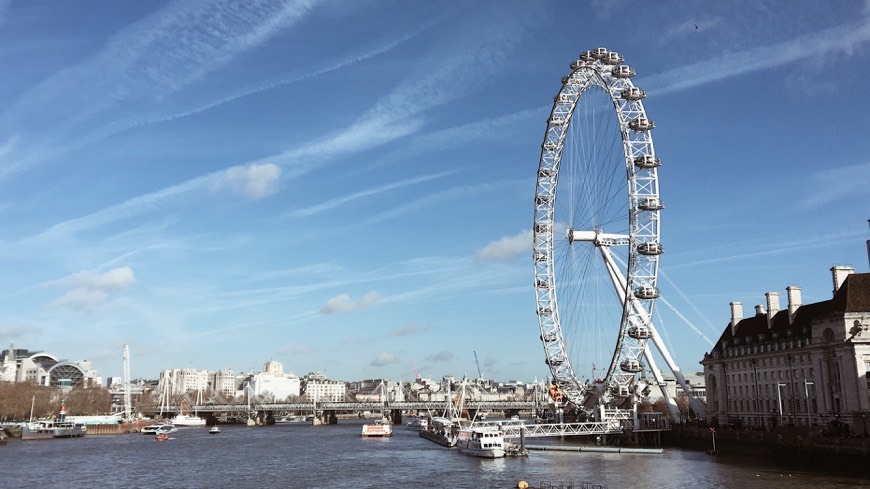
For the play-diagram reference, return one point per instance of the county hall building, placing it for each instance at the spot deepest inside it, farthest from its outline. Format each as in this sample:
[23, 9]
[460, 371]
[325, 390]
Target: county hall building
[798, 365]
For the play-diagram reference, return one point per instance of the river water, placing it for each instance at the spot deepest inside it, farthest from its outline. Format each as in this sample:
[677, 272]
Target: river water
[303, 456]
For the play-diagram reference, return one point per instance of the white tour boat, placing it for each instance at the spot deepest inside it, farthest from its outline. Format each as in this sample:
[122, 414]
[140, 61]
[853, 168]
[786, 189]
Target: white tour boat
[185, 420]
[481, 441]
[158, 428]
[377, 429]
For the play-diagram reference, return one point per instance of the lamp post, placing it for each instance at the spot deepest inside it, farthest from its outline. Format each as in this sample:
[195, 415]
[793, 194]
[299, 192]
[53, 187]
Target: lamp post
[779, 386]
[808, 383]
[756, 403]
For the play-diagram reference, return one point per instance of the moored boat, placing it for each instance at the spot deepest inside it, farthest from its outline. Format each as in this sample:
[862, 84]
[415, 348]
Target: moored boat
[481, 441]
[214, 430]
[52, 428]
[45, 429]
[186, 420]
[377, 429]
[442, 431]
[418, 423]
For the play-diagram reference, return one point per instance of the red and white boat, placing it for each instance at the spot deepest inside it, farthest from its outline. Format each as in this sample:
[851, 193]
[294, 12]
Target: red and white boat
[377, 429]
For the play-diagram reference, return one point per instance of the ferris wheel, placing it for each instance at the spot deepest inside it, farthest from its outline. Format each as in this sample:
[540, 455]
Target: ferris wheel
[597, 239]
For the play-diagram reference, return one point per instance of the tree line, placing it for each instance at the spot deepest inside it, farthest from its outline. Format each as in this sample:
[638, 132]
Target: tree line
[17, 400]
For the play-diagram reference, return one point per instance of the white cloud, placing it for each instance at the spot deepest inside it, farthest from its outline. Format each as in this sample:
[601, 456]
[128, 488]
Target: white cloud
[384, 359]
[343, 303]
[254, 181]
[81, 298]
[27, 331]
[90, 289]
[407, 330]
[339, 201]
[115, 279]
[442, 356]
[844, 39]
[844, 183]
[146, 62]
[507, 248]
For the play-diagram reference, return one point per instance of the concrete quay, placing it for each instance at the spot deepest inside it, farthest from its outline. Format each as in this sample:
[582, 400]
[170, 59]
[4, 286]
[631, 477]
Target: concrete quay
[795, 445]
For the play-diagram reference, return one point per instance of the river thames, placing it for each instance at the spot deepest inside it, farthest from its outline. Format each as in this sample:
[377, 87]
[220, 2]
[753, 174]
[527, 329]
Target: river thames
[303, 456]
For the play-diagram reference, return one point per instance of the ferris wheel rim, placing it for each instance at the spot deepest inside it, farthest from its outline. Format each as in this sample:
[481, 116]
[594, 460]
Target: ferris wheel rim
[603, 69]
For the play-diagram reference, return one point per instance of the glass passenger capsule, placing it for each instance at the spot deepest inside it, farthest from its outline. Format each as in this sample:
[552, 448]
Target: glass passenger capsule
[631, 366]
[549, 337]
[647, 161]
[639, 332]
[650, 204]
[622, 71]
[587, 56]
[646, 292]
[633, 93]
[641, 124]
[650, 249]
[613, 58]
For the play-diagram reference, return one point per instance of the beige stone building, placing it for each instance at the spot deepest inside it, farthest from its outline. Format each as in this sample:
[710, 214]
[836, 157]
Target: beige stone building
[803, 365]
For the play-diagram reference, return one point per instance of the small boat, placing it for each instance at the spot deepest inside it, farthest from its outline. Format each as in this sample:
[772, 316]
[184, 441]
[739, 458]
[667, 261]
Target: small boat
[418, 424]
[481, 441]
[161, 436]
[377, 429]
[156, 428]
[214, 430]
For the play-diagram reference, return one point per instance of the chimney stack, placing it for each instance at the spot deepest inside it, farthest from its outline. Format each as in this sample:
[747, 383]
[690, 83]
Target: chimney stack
[772, 307]
[759, 309]
[839, 274]
[736, 316]
[794, 301]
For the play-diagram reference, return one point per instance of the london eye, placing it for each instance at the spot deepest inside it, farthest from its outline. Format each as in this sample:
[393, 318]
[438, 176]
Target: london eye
[597, 239]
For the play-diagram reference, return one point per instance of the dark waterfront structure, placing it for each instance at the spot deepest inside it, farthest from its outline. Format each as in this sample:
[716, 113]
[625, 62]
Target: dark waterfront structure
[803, 366]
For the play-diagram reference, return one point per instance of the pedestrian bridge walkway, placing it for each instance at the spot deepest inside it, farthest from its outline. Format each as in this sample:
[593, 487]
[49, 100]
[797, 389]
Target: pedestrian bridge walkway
[512, 429]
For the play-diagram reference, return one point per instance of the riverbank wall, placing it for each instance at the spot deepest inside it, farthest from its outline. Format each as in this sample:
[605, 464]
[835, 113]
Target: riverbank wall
[797, 446]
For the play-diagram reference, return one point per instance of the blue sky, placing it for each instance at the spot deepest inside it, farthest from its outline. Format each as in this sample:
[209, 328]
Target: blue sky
[347, 186]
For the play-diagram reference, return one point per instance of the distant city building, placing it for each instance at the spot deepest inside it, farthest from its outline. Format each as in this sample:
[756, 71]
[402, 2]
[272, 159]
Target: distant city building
[696, 383]
[806, 364]
[273, 383]
[183, 380]
[223, 383]
[45, 369]
[376, 390]
[317, 388]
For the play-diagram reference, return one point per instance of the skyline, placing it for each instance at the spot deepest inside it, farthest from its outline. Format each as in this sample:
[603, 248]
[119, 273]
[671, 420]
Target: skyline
[350, 187]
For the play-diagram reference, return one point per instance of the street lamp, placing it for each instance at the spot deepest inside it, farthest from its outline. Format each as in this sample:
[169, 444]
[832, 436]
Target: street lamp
[808, 383]
[779, 387]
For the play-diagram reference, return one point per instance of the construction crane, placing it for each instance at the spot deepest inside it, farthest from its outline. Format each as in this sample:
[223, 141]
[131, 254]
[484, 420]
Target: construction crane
[479, 373]
[127, 402]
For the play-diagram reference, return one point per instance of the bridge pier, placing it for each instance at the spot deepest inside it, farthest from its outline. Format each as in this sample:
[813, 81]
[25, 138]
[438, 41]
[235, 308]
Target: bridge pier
[396, 416]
